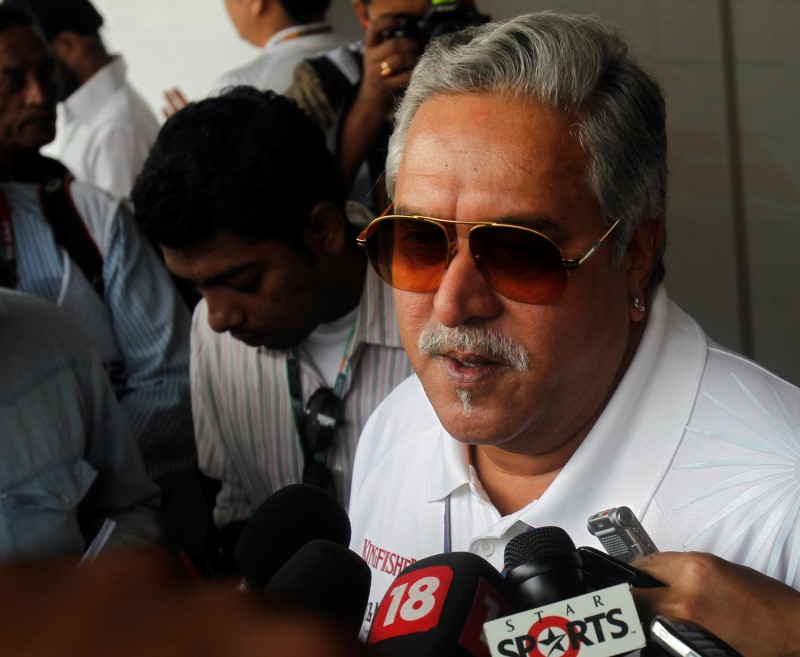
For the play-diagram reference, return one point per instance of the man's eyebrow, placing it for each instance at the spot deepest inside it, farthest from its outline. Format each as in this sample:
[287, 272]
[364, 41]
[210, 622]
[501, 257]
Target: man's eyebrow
[225, 276]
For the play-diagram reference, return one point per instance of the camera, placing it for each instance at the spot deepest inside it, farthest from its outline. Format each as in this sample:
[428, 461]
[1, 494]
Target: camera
[442, 17]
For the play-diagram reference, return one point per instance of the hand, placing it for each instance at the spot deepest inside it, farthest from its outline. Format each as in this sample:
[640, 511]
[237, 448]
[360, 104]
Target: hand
[755, 614]
[132, 603]
[176, 101]
[388, 62]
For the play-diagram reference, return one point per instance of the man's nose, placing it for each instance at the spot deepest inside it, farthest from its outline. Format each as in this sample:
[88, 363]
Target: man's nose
[38, 91]
[464, 293]
[223, 315]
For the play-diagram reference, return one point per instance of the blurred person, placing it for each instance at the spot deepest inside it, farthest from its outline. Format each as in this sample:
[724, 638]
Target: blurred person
[753, 613]
[27, 101]
[133, 603]
[106, 127]
[127, 305]
[554, 375]
[67, 459]
[295, 341]
[287, 31]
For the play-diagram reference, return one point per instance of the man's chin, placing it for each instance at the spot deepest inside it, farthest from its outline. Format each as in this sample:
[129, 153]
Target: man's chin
[277, 343]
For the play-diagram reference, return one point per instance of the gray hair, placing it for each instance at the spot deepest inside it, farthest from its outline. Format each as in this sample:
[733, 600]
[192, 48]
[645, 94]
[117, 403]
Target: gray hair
[579, 66]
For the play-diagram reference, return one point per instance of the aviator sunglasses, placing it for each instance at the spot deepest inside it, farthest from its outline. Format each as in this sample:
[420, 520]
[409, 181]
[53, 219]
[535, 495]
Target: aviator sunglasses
[412, 253]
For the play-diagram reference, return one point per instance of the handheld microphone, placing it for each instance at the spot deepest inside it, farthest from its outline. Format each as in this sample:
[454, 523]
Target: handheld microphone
[437, 607]
[547, 578]
[327, 578]
[287, 520]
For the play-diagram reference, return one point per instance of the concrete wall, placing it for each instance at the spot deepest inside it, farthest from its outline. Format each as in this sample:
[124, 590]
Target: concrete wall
[730, 73]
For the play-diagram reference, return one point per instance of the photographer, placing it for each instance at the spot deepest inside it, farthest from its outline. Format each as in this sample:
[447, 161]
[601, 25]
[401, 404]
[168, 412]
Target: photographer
[351, 91]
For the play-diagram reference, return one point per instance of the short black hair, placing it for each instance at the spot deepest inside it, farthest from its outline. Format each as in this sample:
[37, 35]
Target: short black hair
[305, 11]
[246, 162]
[56, 16]
[14, 15]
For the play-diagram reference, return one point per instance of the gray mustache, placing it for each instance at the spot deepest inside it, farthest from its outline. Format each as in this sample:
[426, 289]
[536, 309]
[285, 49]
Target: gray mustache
[479, 341]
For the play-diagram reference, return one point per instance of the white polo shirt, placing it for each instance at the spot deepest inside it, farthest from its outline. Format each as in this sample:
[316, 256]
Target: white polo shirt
[701, 443]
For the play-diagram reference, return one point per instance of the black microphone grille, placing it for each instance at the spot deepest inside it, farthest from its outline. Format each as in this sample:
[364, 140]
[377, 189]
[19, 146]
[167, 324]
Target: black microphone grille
[538, 543]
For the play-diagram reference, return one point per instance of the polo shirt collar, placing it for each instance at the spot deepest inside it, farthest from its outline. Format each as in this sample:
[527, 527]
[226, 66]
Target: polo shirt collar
[629, 449]
[294, 32]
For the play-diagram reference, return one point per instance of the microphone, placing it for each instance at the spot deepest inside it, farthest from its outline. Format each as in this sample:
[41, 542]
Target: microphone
[542, 566]
[287, 520]
[327, 578]
[547, 577]
[437, 607]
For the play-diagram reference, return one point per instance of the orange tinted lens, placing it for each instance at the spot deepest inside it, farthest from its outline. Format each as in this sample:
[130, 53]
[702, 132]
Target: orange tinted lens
[519, 264]
[408, 254]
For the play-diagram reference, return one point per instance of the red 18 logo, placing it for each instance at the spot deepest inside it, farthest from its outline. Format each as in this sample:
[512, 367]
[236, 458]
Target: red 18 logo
[412, 604]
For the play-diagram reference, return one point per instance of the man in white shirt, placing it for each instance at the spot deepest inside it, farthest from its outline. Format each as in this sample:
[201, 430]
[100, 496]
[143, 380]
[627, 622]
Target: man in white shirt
[105, 127]
[287, 31]
[555, 378]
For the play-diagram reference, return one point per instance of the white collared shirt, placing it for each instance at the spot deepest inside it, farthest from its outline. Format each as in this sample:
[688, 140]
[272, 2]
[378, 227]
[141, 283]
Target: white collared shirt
[106, 130]
[701, 443]
[273, 68]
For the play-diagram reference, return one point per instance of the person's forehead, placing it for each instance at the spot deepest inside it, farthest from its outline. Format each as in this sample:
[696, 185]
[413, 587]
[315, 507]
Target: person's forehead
[508, 135]
[21, 46]
[486, 156]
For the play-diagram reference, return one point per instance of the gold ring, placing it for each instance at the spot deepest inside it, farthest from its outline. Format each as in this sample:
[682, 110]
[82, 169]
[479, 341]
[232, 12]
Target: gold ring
[386, 70]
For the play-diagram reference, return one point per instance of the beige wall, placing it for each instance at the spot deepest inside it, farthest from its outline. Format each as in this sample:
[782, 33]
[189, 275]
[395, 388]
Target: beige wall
[730, 73]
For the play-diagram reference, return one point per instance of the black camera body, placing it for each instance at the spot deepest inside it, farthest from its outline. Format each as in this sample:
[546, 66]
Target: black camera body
[442, 17]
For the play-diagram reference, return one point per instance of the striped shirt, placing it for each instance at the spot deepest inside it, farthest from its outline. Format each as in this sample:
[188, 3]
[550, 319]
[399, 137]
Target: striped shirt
[148, 322]
[244, 425]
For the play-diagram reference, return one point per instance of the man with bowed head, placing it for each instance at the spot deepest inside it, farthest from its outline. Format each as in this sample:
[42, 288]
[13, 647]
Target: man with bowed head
[295, 342]
[554, 376]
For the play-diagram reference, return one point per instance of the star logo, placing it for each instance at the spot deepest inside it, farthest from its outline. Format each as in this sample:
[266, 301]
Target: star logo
[551, 638]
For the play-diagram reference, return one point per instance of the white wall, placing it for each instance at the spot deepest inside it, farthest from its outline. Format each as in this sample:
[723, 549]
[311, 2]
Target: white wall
[734, 207]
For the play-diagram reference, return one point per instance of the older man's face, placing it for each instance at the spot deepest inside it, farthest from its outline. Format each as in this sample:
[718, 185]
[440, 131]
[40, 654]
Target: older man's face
[475, 157]
[27, 91]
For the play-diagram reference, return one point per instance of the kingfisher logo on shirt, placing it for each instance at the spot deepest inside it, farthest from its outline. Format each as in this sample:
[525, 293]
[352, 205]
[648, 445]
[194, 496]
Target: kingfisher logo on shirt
[384, 560]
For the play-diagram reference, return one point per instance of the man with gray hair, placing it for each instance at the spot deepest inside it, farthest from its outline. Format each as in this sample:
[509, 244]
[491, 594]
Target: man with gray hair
[554, 376]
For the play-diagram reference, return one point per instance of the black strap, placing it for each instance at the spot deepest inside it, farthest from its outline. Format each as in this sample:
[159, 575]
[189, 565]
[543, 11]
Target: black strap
[334, 83]
[70, 231]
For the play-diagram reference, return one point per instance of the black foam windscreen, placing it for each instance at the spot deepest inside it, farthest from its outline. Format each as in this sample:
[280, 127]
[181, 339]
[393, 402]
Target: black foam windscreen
[326, 578]
[542, 566]
[540, 543]
[285, 522]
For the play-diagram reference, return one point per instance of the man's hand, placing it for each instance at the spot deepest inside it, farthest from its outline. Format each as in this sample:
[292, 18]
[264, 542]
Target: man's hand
[388, 62]
[132, 603]
[755, 614]
[176, 100]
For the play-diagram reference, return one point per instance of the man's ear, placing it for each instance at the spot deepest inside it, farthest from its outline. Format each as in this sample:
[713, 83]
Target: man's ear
[326, 232]
[643, 251]
[258, 7]
[67, 47]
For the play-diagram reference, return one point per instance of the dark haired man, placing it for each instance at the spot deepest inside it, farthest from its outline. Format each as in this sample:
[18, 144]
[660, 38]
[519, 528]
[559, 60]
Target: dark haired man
[107, 127]
[294, 333]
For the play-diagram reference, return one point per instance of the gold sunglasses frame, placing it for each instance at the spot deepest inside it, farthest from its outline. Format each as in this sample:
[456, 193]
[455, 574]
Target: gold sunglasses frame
[567, 264]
